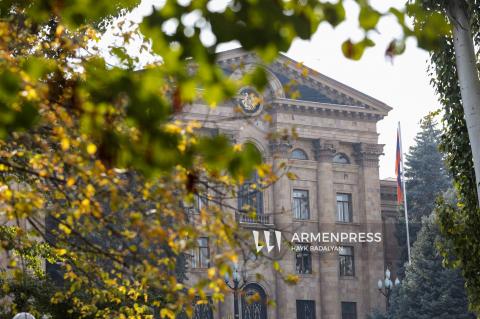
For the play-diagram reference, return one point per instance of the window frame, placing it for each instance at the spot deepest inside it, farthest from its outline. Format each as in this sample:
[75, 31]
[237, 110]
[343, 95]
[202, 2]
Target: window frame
[348, 204]
[199, 202]
[247, 195]
[298, 201]
[311, 303]
[350, 314]
[202, 308]
[201, 254]
[343, 259]
[341, 158]
[302, 255]
[302, 154]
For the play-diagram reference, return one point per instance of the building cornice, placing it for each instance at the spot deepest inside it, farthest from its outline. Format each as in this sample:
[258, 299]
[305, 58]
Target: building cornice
[325, 110]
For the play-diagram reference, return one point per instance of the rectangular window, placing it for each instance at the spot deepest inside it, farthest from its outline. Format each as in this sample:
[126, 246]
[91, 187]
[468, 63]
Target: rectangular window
[203, 309]
[200, 202]
[347, 262]
[349, 310]
[201, 254]
[305, 309]
[300, 205]
[303, 259]
[344, 208]
[250, 197]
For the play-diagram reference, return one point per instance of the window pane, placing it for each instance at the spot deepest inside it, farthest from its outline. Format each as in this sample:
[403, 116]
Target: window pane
[344, 207]
[204, 258]
[203, 309]
[349, 310]
[300, 204]
[346, 261]
[203, 242]
[341, 158]
[303, 259]
[200, 202]
[305, 309]
[200, 256]
[299, 154]
[250, 196]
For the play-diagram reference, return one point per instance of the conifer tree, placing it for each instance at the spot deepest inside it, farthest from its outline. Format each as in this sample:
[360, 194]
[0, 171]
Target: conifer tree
[427, 178]
[429, 290]
[425, 171]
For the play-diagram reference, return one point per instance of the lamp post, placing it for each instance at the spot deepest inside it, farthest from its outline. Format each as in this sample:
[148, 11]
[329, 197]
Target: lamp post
[236, 284]
[385, 287]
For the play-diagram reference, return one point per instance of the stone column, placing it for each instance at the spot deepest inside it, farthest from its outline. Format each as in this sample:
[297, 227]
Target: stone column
[367, 156]
[328, 262]
[279, 150]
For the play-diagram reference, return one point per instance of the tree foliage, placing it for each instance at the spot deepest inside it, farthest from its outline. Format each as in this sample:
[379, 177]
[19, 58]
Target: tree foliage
[95, 163]
[425, 171]
[429, 290]
[459, 222]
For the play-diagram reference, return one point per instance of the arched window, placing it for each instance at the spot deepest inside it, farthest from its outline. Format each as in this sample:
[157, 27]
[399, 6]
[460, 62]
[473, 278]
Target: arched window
[299, 154]
[254, 302]
[341, 158]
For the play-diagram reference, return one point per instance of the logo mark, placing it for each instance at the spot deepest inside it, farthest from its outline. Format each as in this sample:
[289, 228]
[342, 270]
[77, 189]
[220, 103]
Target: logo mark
[266, 233]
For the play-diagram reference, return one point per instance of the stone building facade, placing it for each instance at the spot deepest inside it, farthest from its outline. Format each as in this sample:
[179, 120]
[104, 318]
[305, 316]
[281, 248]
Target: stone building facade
[335, 158]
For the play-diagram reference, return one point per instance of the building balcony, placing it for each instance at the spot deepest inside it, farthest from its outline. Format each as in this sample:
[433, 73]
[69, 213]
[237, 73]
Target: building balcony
[250, 219]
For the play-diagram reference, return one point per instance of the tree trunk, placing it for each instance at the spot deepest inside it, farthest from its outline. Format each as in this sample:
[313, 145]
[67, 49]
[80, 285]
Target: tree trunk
[468, 78]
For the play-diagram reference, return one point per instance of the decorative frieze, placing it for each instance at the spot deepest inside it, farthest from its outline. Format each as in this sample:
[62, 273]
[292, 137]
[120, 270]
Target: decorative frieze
[367, 154]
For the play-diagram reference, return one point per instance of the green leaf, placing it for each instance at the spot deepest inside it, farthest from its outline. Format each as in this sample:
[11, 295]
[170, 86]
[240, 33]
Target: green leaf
[368, 18]
[258, 78]
[355, 51]
[334, 13]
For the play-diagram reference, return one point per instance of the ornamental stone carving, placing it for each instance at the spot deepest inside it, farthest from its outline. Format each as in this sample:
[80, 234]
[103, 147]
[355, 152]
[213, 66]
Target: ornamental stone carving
[367, 154]
[280, 147]
[324, 150]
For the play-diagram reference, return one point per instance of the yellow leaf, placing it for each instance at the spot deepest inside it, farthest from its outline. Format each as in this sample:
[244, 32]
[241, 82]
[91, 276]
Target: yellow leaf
[211, 272]
[59, 30]
[70, 181]
[167, 313]
[173, 128]
[291, 176]
[85, 203]
[91, 149]
[237, 147]
[65, 144]
[276, 265]
[65, 229]
[61, 251]
[90, 190]
[292, 279]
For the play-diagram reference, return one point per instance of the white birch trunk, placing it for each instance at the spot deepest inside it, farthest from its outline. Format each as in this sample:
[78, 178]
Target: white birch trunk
[468, 78]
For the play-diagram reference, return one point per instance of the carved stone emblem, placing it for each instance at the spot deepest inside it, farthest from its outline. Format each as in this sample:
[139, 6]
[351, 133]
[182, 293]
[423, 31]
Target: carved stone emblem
[250, 101]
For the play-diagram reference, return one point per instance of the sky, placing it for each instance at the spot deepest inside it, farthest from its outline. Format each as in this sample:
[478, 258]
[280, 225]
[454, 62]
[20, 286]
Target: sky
[401, 83]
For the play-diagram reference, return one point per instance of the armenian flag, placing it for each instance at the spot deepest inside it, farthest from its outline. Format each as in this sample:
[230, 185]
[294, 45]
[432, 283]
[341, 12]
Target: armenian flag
[398, 169]
[401, 189]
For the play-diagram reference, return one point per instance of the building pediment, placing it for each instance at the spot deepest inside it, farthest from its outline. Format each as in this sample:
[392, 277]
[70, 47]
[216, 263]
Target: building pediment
[299, 88]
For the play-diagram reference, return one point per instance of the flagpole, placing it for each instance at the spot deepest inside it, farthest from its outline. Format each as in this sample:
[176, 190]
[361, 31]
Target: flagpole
[404, 193]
